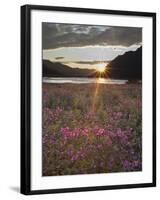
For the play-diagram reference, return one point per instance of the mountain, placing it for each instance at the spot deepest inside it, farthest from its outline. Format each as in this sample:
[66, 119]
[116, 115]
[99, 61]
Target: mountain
[56, 69]
[127, 66]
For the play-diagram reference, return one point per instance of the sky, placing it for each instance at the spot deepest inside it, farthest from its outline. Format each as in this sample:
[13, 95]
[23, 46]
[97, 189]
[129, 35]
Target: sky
[83, 45]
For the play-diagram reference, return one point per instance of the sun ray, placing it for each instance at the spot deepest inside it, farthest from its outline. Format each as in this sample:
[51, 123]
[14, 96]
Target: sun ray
[95, 95]
[102, 70]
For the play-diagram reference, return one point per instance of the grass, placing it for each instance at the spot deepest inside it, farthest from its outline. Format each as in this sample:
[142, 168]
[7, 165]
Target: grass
[91, 128]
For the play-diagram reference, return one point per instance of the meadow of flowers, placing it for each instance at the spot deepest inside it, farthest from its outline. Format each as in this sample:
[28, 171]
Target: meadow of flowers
[91, 128]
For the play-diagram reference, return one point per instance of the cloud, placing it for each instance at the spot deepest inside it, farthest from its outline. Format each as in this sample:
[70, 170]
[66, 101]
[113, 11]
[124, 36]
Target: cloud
[56, 35]
[59, 57]
[86, 53]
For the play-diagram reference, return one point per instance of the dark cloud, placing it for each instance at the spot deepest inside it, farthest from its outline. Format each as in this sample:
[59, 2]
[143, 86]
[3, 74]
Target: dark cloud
[59, 57]
[88, 62]
[70, 35]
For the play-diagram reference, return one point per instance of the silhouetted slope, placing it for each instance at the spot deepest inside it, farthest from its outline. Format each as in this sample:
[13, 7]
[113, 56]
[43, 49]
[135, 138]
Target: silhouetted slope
[127, 66]
[55, 69]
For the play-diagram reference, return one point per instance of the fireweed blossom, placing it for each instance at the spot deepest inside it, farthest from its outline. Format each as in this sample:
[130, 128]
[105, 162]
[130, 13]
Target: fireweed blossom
[78, 141]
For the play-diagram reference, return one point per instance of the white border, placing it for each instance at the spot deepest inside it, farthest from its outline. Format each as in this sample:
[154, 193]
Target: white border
[41, 183]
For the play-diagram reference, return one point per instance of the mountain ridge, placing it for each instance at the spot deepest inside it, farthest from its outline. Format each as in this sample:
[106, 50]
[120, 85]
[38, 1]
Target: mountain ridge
[126, 66]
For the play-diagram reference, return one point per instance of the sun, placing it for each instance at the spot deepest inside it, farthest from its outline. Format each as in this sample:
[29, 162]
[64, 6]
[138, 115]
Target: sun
[101, 67]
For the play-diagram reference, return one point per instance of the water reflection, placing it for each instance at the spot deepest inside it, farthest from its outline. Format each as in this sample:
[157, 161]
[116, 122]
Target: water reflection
[82, 80]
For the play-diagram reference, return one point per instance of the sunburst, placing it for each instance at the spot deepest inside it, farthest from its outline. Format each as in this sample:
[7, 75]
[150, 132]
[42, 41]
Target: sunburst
[101, 67]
